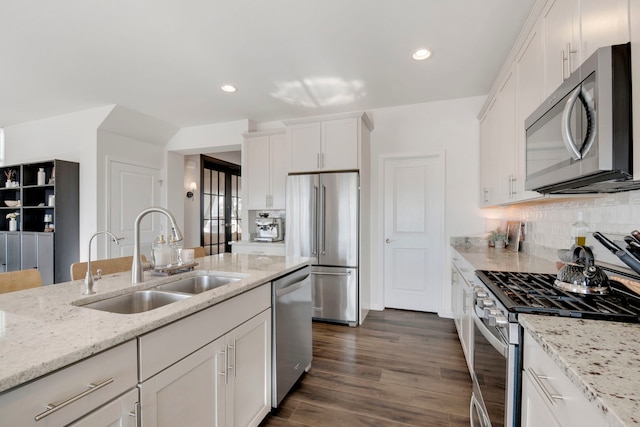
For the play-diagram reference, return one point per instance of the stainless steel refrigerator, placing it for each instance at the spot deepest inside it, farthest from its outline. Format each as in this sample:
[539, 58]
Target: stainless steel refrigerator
[322, 223]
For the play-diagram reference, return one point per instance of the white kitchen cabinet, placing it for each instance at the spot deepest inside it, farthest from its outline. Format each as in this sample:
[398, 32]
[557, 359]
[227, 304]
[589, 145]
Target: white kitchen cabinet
[529, 94]
[120, 412]
[574, 29]
[488, 162]
[462, 276]
[217, 370]
[505, 158]
[265, 168]
[549, 398]
[327, 144]
[74, 392]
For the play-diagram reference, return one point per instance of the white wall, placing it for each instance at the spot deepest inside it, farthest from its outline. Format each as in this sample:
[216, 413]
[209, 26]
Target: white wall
[192, 207]
[69, 137]
[450, 126]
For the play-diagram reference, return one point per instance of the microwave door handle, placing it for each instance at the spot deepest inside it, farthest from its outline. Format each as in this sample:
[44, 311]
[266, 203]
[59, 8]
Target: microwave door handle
[587, 101]
[567, 137]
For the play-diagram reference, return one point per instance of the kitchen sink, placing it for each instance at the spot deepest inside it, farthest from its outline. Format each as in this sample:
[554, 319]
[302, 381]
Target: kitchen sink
[136, 302]
[197, 284]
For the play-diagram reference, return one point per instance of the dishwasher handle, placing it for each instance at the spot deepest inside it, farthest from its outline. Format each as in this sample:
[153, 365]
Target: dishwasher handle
[292, 287]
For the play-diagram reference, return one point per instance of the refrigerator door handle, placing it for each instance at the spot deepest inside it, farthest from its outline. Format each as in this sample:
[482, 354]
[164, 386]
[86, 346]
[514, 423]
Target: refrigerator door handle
[314, 211]
[324, 215]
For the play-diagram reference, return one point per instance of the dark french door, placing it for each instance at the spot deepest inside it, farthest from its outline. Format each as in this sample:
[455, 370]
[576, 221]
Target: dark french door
[221, 205]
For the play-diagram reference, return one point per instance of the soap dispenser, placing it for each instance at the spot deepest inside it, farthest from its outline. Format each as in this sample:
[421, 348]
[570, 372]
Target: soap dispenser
[161, 253]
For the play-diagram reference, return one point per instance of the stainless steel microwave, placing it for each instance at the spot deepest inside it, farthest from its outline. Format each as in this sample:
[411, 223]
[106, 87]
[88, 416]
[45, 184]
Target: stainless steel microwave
[580, 139]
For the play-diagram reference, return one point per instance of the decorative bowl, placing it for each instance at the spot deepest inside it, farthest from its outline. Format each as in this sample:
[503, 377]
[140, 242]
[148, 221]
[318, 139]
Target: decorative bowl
[12, 203]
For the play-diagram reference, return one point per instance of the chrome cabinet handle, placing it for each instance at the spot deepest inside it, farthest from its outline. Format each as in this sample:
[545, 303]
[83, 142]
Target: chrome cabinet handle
[224, 371]
[229, 366]
[52, 408]
[538, 379]
[136, 414]
[319, 273]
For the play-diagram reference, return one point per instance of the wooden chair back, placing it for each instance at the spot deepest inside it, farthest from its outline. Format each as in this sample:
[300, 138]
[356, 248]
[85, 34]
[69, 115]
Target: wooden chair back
[19, 280]
[199, 252]
[108, 266]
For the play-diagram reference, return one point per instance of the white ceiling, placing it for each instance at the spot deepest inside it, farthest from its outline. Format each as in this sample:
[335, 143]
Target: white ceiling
[288, 58]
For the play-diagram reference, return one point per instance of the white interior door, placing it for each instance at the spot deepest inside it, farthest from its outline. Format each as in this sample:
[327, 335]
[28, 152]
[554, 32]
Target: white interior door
[413, 226]
[133, 188]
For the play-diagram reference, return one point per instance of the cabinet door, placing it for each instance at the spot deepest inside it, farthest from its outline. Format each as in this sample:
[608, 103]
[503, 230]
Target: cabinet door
[256, 173]
[120, 412]
[13, 252]
[603, 23]
[339, 144]
[529, 94]
[3, 252]
[45, 257]
[249, 388]
[506, 140]
[279, 160]
[189, 393]
[559, 47]
[305, 143]
[535, 411]
[29, 251]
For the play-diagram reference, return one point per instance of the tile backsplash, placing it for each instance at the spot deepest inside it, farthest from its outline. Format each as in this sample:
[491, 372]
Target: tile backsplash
[548, 222]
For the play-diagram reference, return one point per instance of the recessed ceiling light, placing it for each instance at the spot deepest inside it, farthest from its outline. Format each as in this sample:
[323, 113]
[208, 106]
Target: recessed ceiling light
[421, 54]
[228, 88]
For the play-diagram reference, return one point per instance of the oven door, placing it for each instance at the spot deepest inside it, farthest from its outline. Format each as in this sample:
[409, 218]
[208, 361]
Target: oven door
[490, 374]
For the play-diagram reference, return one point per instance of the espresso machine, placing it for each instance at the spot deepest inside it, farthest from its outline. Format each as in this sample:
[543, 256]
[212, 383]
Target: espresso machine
[269, 229]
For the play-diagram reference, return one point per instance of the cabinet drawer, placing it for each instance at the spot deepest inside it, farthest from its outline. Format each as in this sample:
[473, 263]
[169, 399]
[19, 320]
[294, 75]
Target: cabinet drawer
[566, 402]
[274, 249]
[76, 390]
[163, 347]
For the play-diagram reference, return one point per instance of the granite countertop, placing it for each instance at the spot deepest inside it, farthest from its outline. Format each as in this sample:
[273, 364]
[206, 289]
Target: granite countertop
[601, 358]
[43, 329]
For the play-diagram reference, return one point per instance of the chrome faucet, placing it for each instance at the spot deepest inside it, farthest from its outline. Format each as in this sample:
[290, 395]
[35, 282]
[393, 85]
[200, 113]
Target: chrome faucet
[88, 278]
[137, 272]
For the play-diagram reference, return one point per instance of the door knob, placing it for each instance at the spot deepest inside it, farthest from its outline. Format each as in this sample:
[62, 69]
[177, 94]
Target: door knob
[388, 240]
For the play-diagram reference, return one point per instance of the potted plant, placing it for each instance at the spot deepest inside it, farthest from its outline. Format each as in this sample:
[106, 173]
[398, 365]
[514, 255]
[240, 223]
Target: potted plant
[13, 224]
[10, 175]
[498, 238]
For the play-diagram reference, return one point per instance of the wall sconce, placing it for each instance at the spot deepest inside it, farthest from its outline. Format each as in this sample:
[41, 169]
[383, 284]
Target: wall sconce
[192, 189]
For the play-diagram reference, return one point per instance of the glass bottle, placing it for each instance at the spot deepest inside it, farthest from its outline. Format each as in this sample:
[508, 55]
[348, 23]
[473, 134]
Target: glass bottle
[579, 231]
[175, 248]
[161, 253]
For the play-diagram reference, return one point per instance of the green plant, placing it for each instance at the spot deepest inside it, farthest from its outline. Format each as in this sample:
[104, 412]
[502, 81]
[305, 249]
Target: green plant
[497, 235]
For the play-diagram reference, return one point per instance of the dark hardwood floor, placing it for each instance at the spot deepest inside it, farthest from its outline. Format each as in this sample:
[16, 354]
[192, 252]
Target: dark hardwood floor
[400, 368]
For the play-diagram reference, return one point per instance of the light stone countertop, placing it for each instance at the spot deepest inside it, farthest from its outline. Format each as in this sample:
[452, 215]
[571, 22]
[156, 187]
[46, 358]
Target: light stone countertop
[601, 358]
[41, 330]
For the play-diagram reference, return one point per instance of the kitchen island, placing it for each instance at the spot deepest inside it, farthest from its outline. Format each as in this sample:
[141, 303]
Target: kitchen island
[46, 329]
[599, 358]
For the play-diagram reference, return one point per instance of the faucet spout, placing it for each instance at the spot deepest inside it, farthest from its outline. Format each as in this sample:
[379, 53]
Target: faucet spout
[88, 278]
[137, 272]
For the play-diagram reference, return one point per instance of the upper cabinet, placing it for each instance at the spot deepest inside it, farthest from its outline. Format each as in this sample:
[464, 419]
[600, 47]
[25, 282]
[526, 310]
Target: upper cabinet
[328, 143]
[558, 36]
[266, 165]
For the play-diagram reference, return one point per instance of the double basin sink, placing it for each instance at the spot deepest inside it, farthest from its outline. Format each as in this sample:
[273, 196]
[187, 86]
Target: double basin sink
[161, 295]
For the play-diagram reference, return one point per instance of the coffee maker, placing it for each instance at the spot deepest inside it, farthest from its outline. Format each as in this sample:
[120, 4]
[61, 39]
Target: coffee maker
[269, 229]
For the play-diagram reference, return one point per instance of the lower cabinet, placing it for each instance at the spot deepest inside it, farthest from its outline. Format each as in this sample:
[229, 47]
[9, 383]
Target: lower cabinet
[549, 398]
[9, 251]
[120, 412]
[37, 252]
[87, 390]
[225, 381]
[462, 304]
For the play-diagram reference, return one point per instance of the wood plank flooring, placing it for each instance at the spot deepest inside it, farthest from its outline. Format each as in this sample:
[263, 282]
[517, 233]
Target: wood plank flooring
[400, 368]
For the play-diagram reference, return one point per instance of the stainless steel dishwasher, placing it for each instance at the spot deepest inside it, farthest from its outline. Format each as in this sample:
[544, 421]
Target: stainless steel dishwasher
[292, 342]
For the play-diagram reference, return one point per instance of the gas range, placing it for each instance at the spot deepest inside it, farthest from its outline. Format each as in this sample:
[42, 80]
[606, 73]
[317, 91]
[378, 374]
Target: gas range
[534, 293]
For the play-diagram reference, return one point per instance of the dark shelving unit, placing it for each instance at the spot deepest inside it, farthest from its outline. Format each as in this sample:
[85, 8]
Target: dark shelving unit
[51, 246]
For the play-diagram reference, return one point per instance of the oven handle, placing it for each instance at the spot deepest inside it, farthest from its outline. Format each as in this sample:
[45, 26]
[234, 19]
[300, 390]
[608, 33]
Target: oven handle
[500, 346]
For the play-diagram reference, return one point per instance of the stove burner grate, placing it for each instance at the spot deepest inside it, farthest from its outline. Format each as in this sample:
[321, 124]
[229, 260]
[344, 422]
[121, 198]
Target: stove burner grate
[535, 293]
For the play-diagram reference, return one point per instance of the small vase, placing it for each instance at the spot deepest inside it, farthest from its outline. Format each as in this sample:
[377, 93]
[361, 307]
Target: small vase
[8, 184]
[13, 225]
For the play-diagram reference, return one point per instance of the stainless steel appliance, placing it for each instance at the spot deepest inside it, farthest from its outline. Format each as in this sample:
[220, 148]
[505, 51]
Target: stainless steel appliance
[269, 230]
[497, 359]
[291, 324]
[580, 139]
[322, 223]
